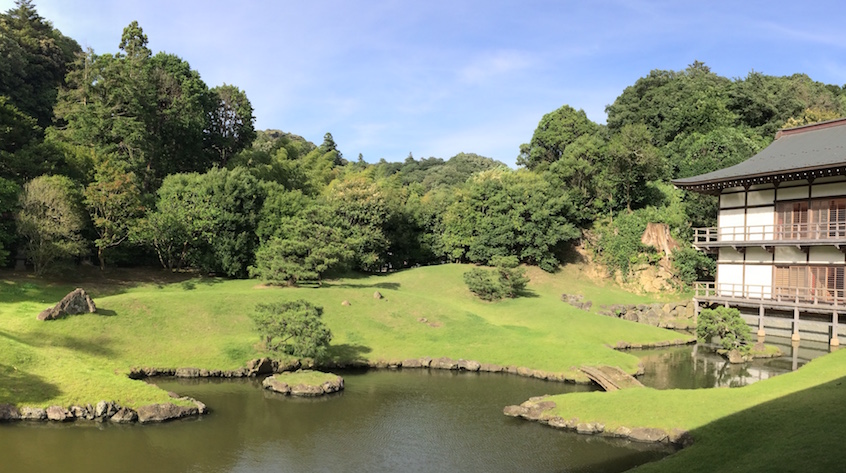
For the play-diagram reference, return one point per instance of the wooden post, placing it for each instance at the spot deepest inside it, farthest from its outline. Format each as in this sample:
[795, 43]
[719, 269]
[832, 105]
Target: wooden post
[761, 332]
[795, 336]
[835, 342]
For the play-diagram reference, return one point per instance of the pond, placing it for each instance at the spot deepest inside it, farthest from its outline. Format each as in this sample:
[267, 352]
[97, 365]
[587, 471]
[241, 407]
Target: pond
[695, 367]
[385, 421]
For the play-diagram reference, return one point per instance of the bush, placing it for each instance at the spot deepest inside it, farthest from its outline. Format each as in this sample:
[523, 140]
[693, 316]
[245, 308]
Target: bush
[727, 324]
[294, 328]
[692, 265]
[510, 279]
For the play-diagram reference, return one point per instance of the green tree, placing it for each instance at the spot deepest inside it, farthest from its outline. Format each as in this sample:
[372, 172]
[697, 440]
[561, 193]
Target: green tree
[507, 280]
[633, 162]
[361, 212]
[298, 244]
[231, 122]
[554, 133]
[728, 325]
[115, 203]
[294, 328]
[9, 192]
[50, 220]
[509, 213]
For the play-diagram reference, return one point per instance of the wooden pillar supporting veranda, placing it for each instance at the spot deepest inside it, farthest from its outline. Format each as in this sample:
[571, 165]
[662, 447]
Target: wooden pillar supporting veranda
[795, 337]
[834, 323]
[761, 332]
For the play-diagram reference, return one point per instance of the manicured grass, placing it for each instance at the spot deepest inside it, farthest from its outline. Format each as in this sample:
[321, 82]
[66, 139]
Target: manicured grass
[309, 377]
[204, 323]
[793, 422]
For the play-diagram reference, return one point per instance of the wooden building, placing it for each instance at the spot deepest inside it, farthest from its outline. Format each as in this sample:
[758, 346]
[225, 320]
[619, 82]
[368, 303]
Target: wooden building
[780, 239]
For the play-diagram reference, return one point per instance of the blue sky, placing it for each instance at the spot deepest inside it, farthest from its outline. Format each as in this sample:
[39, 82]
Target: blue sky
[436, 78]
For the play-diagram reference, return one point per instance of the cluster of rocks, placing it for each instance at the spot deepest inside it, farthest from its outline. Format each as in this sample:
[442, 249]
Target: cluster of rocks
[77, 302]
[445, 363]
[255, 367]
[577, 300]
[537, 409]
[672, 315]
[104, 411]
[303, 389]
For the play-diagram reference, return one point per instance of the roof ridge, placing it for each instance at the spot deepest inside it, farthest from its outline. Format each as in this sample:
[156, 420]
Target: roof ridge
[810, 127]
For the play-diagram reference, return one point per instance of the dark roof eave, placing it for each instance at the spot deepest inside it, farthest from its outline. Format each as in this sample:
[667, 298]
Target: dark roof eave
[714, 186]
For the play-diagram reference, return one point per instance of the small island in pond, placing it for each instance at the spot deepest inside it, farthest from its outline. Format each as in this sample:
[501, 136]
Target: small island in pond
[305, 383]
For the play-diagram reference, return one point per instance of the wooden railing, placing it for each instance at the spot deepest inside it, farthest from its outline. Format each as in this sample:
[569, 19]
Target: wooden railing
[790, 232]
[788, 294]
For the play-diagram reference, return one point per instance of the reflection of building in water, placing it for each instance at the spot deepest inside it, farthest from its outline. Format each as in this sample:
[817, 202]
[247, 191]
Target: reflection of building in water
[780, 237]
[695, 367]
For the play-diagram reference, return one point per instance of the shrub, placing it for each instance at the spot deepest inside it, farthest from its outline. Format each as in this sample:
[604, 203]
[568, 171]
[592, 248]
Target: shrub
[294, 328]
[507, 280]
[692, 265]
[727, 324]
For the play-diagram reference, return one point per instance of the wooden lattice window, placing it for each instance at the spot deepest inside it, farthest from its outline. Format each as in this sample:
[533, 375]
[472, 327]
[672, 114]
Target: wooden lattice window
[791, 220]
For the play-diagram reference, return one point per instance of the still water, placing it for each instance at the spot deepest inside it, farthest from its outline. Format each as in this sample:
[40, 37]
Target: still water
[385, 421]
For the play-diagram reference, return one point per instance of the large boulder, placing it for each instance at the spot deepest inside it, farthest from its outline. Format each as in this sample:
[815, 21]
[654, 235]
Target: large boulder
[260, 366]
[33, 413]
[163, 412]
[124, 415]
[77, 302]
[9, 412]
[58, 413]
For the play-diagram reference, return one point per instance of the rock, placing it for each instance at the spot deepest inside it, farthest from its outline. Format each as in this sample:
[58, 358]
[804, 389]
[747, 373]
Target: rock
[290, 365]
[77, 302]
[535, 410]
[425, 362]
[58, 414]
[589, 428]
[558, 423]
[523, 371]
[345, 303]
[165, 412]
[9, 412]
[514, 411]
[412, 363]
[124, 415]
[680, 437]
[621, 431]
[105, 409]
[259, 366]
[333, 386]
[469, 365]
[80, 412]
[377, 295]
[187, 373]
[444, 363]
[306, 390]
[33, 413]
[648, 434]
[734, 356]
[490, 368]
[276, 386]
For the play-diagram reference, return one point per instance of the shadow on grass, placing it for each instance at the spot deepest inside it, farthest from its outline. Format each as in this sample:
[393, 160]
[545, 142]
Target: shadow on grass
[393, 286]
[348, 353]
[20, 387]
[803, 431]
[82, 345]
[528, 293]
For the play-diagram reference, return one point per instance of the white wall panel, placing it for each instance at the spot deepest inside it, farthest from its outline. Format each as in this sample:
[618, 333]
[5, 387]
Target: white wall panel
[759, 280]
[730, 279]
[828, 190]
[825, 255]
[760, 197]
[730, 255]
[731, 224]
[791, 193]
[732, 200]
[789, 254]
[760, 223]
[757, 254]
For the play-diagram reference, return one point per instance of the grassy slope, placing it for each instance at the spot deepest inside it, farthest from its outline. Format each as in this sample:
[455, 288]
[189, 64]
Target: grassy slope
[204, 323]
[793, 422]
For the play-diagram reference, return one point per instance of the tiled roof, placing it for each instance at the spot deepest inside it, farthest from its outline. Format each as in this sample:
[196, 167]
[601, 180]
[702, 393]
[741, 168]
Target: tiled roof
[797, 153]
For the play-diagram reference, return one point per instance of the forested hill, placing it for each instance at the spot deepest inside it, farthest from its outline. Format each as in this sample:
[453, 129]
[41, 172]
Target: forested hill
[129, 158]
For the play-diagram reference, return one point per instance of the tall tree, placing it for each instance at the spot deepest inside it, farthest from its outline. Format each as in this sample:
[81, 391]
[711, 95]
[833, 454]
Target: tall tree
[230, 123]
[633, 161]
[554, 133]
[50, 220]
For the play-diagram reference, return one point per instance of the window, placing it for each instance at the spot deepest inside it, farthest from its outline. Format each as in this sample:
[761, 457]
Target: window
[791, 220]
[810, 283]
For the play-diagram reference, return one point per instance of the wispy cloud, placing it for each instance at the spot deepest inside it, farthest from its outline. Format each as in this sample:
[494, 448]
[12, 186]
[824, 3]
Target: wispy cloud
[494, 64]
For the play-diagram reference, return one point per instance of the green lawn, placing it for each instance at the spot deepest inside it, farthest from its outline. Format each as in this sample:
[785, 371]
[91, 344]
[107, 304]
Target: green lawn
[204, 323]
[793, 422]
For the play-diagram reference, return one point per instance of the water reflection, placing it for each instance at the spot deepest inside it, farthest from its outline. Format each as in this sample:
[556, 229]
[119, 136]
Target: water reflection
[695, 367]
[385, 421]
